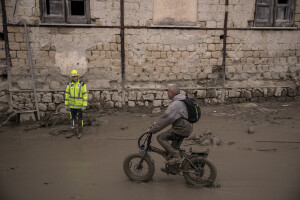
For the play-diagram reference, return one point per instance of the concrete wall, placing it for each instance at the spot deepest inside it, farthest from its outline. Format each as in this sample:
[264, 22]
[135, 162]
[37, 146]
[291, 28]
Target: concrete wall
[260, 64]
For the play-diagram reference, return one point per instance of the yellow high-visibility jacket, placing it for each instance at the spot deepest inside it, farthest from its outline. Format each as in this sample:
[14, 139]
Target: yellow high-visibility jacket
[76, 95]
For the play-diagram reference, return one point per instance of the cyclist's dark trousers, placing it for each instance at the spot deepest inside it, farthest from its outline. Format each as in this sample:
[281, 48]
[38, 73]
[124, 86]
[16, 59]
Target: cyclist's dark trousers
[164, 138]
[76, 117]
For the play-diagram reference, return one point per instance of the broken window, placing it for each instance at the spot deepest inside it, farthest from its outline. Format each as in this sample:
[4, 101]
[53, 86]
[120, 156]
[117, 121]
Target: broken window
[277, 13]
[66, 11]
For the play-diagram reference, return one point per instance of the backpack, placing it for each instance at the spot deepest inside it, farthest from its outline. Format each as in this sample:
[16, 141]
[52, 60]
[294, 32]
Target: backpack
[194, 111]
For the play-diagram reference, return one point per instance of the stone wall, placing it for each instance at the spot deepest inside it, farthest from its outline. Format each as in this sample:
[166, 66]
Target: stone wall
[269, 58]
[158, 57]
[153, 100]
[261, 65]
[95, 53]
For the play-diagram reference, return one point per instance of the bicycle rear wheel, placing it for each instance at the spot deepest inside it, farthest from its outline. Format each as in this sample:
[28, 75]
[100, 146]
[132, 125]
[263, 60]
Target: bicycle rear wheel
[133, 171]
[199, 172]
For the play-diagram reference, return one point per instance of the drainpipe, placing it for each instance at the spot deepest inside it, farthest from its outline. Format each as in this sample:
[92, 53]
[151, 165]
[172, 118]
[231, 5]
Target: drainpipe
[122, 35]
[8, 59]
[224, 51]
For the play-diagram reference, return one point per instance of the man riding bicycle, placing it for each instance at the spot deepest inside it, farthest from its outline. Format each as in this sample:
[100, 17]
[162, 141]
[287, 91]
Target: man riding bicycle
[176, 114]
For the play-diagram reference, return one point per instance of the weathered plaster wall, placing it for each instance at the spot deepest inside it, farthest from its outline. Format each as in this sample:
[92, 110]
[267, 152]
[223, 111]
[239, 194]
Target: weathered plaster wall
[95, 53]
[106, 13]
[260, 64]
[267, 58]
[158, 57]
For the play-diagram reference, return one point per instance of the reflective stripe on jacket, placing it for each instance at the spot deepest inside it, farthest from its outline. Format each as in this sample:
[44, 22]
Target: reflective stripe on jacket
[76, 95]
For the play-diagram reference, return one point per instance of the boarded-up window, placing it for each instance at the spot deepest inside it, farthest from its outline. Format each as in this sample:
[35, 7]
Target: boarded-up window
[66, 11]
[175, 12]
[274, 13]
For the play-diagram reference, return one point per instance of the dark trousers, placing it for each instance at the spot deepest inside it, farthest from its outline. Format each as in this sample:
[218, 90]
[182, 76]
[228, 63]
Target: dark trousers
[164, 138]
[76, 117]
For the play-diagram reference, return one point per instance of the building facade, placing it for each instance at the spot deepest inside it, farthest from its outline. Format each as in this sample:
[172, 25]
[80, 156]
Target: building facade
[128, 51]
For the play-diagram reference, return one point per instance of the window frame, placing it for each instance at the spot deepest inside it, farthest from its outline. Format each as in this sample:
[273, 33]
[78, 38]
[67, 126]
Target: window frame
[272, 20]
[65, 16]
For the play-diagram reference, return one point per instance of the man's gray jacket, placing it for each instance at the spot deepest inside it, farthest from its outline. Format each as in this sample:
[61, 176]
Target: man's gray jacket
[174, 115]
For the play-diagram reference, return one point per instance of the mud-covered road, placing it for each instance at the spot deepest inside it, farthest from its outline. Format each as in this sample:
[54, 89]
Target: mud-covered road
[264, 165]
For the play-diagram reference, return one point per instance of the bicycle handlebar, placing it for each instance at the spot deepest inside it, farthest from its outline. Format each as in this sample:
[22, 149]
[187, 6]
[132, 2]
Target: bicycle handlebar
[142, 146]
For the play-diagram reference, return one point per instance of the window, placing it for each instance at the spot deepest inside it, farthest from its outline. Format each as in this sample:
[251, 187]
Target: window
[66, 11]
[274, 13]
[175, 12]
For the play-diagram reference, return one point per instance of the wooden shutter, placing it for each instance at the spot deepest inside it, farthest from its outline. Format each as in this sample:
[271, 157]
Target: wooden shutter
[53, 11]
[284, 12]
[78, 11]
[263, 13]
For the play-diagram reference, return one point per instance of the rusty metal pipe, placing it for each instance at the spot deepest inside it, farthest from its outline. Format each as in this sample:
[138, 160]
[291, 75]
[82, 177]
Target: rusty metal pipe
[7, 54]
[224, 52]
[122, 35]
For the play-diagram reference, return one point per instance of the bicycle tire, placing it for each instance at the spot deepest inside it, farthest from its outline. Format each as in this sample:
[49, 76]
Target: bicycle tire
[131, 171]
[201, 176]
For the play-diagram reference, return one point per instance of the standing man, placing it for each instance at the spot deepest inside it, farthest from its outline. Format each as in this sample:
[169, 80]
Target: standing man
[76, 99]
[175, 115]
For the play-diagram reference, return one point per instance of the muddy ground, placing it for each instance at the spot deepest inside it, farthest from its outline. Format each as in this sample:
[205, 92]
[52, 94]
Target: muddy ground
[42, 164]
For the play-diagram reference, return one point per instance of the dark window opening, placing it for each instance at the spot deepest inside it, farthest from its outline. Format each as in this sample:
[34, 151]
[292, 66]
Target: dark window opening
[1, 36]
[221, 37]
[283, 1]
[77, 8]
[48, 7]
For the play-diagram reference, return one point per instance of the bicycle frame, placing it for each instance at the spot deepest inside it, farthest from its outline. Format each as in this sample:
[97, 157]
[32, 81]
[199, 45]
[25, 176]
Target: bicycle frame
[148, 148]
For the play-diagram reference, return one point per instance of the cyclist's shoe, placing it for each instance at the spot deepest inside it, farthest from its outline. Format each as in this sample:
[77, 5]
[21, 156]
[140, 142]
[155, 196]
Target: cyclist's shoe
[176, 158]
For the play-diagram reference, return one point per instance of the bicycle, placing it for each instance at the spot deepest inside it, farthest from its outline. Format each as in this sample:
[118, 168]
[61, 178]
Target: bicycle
[195, 167]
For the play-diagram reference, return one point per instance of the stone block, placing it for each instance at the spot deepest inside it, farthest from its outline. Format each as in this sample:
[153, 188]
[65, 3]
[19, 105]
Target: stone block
[278, 92]
[42, 107]
[233, 93]
[51, 107]
[246, 94]
[24, 85]
[54, 85]
[211, 93]
[109, 104]
[58, 98]
[148, 97]
[201, 94]
[131, 104]
[106, 46]
[157, 103]
[257, 93]
[47, 98]
[105, 95]
[132, 95]
[115, 97]
[14, 46]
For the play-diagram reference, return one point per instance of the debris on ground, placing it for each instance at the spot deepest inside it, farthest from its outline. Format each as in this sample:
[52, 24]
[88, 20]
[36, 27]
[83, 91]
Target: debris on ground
[124, 127]
[205, 139]
[251, 130]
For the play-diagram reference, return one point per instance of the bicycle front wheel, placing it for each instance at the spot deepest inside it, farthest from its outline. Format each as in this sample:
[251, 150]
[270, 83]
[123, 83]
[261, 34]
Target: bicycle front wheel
[136, 171]
[199, 172]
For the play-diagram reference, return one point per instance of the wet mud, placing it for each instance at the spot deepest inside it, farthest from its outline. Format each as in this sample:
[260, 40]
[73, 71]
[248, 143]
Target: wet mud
[255, 148]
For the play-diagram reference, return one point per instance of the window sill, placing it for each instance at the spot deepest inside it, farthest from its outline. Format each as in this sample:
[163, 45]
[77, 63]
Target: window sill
[64, 25]
[274, 28]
